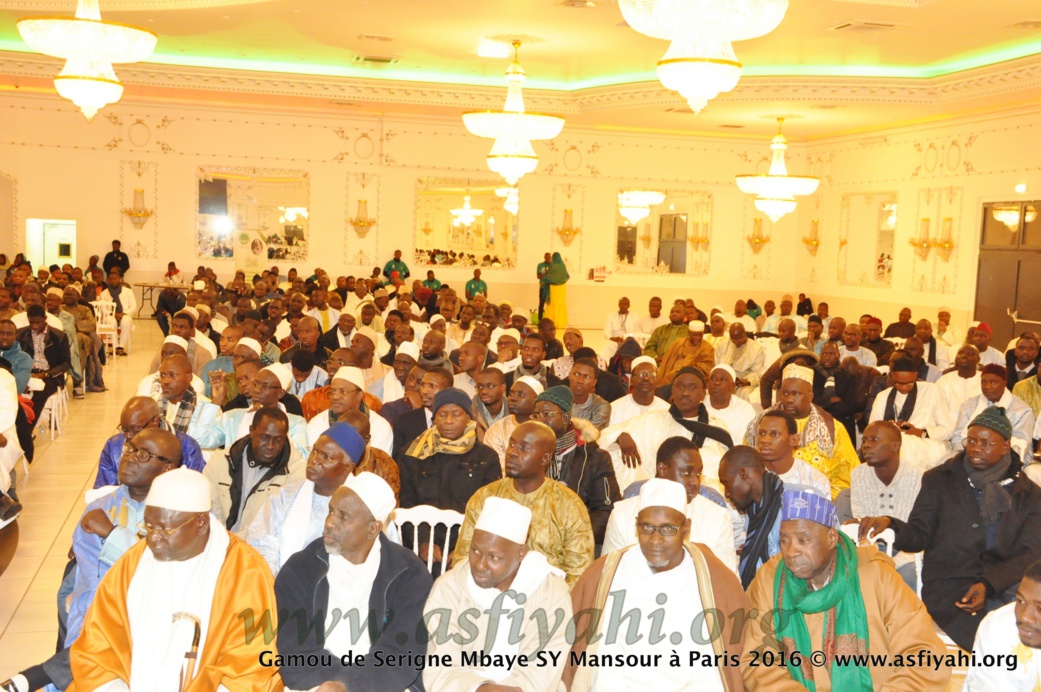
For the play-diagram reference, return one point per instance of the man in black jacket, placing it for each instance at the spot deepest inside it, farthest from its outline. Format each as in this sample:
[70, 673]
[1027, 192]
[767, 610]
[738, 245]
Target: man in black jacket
[978, 519]
[357, 576]
[411, 424]
[49, 348]
[578, 461]
[117, 259]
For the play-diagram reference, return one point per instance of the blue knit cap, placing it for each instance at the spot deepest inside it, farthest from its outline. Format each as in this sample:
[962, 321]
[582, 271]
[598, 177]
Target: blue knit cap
[348, 439]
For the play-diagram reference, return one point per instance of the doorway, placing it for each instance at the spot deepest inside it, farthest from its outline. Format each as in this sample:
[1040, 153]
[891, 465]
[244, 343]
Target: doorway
[50, 241]
[1009, 264]
[672, 242]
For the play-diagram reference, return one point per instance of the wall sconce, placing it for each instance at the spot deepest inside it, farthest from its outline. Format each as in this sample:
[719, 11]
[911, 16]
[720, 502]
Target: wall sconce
[813, 241]
[567, 231]
[362, 222]
[426, 227]
[646, 239]
[944, 245]
[138, 214]
[757, 240]
[700, 236]
[921, 243]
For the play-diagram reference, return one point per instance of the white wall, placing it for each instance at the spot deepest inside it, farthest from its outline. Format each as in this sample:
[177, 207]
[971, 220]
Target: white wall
[67, 168]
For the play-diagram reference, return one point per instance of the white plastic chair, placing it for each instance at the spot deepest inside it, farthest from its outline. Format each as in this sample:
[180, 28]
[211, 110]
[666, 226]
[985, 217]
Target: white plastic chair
[57, 408]
[430, 516]
[108, 329]
[887, 537]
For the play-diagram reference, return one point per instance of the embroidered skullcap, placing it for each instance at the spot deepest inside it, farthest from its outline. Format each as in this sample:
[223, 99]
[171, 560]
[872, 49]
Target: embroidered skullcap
[645, 360]
[659, 492]
[352, 374]
[251, 344]
[380, 293]
[802, 504]
[572, 330]
[727, 369]
[535, 385]
[282, 372]
[994, 417]
[347, 439]
[695, 326]
[798, 372]
[559, 395]
[372, 490]
[452, 395]
[191, 311]
[203, 307]
[984, 327]
[995, 369]
[409, 348]
[180, 490]
[505, 518]
[177, 340]
[55, 291]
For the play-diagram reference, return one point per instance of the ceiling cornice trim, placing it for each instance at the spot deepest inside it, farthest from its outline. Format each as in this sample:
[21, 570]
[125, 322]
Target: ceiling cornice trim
[992, 80]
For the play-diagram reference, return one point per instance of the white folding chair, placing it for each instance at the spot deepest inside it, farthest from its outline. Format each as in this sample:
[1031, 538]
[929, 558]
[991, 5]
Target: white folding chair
[108, 329]
[57, 408]
[886, 537]
[430, 516]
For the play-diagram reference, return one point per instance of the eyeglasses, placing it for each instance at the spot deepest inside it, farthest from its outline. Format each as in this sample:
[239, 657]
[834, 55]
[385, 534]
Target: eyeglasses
[985, 446]
[546, 415]
[130, 432]
[149, 529]
[643, 375]
[141, 455]
[667, 530]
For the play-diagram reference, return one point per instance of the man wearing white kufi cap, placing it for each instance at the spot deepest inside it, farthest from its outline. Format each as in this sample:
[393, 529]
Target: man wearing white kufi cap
[346, 393]
[369, 590]
[642, 399]
[182, 326]
[521, 404]
[366, 343]
[507, 346]
[139, 630]
[733, 412]
[823, 443]
[693, 351]
[268, 390]
[172, 346]
[680, 586]
[392, 386]
[126, 308]
[745, 356]
[499, 569]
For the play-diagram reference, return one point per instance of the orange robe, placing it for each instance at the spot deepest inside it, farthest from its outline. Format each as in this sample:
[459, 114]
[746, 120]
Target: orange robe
[102, 652]
[317, 400]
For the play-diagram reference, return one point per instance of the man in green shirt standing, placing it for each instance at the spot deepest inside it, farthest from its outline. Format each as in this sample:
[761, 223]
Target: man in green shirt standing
[432, 283]
[543, 290]
[475, 286]
[396, 265]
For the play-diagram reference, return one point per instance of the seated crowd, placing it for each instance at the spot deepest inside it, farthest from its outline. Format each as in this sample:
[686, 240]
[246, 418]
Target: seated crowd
[740, 464]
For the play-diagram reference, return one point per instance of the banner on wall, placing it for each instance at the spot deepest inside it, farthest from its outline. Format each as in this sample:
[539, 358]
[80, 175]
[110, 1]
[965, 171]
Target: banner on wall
[251, 250]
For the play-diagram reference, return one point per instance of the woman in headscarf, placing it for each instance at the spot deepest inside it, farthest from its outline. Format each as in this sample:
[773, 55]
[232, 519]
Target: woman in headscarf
[555, 282]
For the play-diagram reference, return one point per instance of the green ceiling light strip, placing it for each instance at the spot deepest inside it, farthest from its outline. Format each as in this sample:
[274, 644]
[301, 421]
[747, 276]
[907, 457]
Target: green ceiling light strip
[951, 66]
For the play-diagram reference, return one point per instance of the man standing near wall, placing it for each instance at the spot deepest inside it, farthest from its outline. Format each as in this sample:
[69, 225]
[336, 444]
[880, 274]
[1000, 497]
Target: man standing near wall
[116, 259]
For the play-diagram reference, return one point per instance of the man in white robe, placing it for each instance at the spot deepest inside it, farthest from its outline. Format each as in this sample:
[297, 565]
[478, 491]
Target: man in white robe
[1012, 635]
[963, 382]
[746, 357]
[920, 412]
[735, 413]
[294, 516]
[346, 393]
[993, 384]
[499, 570]
[642, 399]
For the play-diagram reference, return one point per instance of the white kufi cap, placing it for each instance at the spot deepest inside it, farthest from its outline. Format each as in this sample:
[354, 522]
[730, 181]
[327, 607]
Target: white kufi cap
[727, 369]
[506, 519]
[180, 490]
[659, 492]
[178, 340]
[644, 360]
[252, 344]
[282, 372]
[374, 492]
[352, 374]
[410, 349]
[535, 385]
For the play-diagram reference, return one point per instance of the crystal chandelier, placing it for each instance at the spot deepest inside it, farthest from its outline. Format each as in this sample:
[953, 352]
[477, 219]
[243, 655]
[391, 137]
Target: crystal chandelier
[512, 128]
[776, 191]
[1009, 215]
[700, 63]
[465, 215]
[635, 205]
[512, 195]
[89, 47]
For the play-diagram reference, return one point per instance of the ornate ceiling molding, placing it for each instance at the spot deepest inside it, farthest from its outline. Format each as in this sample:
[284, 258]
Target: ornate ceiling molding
[1004, 78]
[122, 5]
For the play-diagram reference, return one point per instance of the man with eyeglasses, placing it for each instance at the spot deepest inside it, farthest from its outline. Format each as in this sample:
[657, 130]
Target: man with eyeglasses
[109, 527]
[172, 346]
[679, 460]
[672, 583]
[642, 398]
[294, 516]
[347, 394]
[560, 528]
[140, 629]
[978, 519]
[253, 468]
[269, 390]
[183, 409]
[317, 400]
[141, 413]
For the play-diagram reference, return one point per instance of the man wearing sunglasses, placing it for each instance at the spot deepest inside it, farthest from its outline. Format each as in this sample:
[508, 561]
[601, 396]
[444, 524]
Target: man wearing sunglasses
[110, 526]
[188, 576]
[141, 413]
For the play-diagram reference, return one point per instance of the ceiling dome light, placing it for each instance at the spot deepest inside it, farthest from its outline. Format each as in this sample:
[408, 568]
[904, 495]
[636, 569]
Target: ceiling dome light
[90, 47]
[512, 128]
[776, 191]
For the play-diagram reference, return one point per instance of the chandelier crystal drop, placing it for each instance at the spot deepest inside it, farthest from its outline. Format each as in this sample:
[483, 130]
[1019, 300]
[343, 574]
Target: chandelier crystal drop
[700, 63]
[513, 129]
[776, 191]
[635, 205]
[512, 195]
[90, 47]
[465, 215]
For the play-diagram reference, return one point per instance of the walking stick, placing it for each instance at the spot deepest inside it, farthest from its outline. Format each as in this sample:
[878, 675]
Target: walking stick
[192, 654]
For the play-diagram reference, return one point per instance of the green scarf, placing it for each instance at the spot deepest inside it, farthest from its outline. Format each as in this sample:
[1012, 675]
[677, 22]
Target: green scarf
[845, 621]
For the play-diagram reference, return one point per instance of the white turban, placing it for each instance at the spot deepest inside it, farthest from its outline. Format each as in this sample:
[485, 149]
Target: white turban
[437, 318]
[644, 360]
[352, 374]
[727, 369]
[178, 340]
[370, 334]
[180, 490]
[409, 349]
[282, 372]
[659, 492]
[798, 372]
[506, 519]
[251, 344]
[374, 492]
[535, 385]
